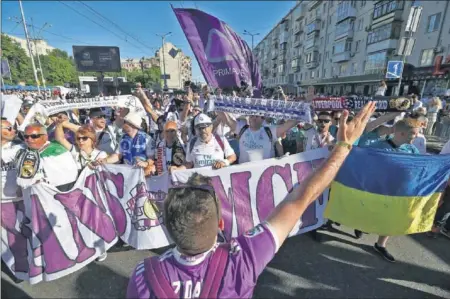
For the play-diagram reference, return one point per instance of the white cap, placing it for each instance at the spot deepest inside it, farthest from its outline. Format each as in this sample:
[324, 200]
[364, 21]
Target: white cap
[202, 119]
[134, 118]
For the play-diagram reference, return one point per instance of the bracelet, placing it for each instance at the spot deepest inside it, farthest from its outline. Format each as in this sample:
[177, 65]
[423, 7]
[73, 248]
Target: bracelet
[344, 144]
[227, 163]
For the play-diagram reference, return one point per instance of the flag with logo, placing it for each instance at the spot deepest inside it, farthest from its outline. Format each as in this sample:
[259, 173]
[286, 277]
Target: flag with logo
[224, 58]
[388, 193]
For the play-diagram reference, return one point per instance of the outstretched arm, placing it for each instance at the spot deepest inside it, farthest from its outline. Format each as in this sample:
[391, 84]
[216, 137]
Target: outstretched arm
[284, 217]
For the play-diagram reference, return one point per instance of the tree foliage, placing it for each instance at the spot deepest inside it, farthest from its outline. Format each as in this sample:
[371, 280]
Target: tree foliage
[19, 63]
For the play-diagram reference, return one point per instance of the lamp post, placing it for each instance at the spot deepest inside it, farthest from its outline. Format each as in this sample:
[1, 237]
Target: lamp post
[141, 62]
[36, 48]
[251, 34]
[163, 38]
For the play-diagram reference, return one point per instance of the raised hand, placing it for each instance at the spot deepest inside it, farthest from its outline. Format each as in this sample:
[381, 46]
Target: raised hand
[351, 131]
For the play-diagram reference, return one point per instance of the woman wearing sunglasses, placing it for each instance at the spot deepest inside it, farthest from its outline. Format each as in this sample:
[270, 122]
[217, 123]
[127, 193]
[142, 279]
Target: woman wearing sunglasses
[83, 151]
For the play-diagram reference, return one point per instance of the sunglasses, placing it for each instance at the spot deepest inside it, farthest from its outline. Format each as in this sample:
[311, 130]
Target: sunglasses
[337, 118]
[32, 136]
[201, 127]
[8, 128]
[84, 138]
[323, 121]
[171, 131]
[100, 116]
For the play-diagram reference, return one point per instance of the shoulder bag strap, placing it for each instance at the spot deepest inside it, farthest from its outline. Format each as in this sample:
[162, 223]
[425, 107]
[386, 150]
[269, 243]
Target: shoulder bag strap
[241, 132]
[269, 133]
[220, 142]
[214, 273]
[157, 280]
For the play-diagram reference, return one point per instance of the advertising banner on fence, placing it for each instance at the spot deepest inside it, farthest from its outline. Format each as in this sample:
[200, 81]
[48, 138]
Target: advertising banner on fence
[249, 192]
[46, 108]
[263, 107]
[50, 234]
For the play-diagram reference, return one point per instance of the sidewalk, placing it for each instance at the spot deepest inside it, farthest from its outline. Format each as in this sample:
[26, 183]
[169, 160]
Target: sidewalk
[435, 144]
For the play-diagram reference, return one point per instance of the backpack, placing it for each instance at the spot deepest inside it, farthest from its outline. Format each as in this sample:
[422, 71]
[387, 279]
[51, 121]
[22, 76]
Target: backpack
[218, 139]
[162, 288]
[244, 128]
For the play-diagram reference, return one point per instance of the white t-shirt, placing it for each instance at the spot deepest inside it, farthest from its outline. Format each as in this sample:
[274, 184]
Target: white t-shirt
[205, 154]
[81, 158]
[315, 140]
[9, 185]
[108, 142]
[446, 149]
[421, 143]
[256, 145]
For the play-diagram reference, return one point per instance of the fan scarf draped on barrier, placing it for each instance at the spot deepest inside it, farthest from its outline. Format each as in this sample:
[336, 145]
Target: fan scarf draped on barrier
[51, 234]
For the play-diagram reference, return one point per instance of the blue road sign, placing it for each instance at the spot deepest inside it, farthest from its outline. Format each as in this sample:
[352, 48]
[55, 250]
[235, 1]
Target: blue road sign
[394, 69]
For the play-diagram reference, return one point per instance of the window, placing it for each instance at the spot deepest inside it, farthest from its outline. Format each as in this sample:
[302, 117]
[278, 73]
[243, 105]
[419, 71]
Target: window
[427, 57]
[357, 45]
[383, 8]
[354, 68]
[363, 3]
[324, 7]
[329, 19]
[320, 57]
[326, 55]
[342, 46]
[323, 24]
[301, 76]
[321, 41]
[313, 74]
[433, 22]
[388, 31]
[318, 73]
[376, 63]
[360, 24]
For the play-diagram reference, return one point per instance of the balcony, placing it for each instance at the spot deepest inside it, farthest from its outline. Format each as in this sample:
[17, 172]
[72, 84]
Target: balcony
[341, 57]
[282, 59]
[344, 33]
[382, 45]
[313, 28]
[311, 64]
[296, 68]
[346, 12]
[396, 15]
[310, 43]
[298, 29]
[313, 4]
[297, 43]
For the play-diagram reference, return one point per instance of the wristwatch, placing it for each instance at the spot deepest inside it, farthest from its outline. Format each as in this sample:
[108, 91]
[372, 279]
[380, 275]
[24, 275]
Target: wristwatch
[344, 144]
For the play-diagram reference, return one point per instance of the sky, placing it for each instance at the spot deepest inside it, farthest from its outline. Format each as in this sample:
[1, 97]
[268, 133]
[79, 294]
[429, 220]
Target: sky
[135, 23]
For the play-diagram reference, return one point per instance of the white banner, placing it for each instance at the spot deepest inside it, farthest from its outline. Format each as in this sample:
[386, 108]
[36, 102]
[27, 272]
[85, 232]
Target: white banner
[10, 107]
[52, 234]
[249, 192]
[278, 109]
[46, 108]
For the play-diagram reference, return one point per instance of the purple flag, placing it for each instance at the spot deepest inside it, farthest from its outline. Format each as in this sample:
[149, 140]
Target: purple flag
[5, 70]
[224, 58]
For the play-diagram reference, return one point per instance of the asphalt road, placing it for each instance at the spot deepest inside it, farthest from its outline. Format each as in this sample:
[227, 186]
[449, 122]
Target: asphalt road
[338, 267]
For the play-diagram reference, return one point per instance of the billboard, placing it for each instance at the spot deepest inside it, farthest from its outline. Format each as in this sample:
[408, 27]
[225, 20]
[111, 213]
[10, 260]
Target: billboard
[97, 58]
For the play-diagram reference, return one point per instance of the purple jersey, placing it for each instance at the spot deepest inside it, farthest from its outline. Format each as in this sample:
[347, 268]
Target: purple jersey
[249, 255]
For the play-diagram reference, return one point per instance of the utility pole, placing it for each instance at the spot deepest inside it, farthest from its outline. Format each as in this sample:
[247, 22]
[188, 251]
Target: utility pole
[36, 48]
[251, 34]
[163, 38]
[29, 46]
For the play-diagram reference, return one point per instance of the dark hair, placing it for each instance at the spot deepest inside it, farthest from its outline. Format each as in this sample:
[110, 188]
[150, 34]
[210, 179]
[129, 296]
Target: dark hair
[324, 113]
[192, 214]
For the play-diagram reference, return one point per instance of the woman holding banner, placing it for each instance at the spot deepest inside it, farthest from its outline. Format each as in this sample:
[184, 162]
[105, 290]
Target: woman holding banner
[84, 151]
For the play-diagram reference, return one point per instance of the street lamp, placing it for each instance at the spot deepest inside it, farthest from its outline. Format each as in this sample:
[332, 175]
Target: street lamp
[251, 34]
[36, 47]
[163, 38]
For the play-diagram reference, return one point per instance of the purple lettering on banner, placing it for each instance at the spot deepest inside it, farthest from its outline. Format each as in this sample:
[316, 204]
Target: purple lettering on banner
[316, 164]
[17, 240]
[304, 169]
[115, 207]
[264, 192]
[53, 255]
[88, 213]
[237, 201]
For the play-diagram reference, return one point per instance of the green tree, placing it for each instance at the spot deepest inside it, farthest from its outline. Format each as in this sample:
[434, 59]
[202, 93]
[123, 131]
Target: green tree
[19, 62]
[58, 68]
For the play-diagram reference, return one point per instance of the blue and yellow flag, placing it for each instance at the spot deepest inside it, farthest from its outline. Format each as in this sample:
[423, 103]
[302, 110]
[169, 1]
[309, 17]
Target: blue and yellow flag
[388, 193]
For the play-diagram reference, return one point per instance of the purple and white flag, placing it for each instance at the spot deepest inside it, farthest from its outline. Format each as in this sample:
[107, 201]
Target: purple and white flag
[224, 58]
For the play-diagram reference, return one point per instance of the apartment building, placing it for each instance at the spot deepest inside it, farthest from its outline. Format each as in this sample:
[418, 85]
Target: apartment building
[38, 46]
[341, 47]
[178, 66]
[131, 64]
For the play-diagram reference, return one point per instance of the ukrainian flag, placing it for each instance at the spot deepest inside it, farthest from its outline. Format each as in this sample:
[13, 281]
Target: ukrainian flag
[388, 193]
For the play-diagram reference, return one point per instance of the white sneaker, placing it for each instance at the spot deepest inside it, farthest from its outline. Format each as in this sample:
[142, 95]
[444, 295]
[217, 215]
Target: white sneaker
[102, 257]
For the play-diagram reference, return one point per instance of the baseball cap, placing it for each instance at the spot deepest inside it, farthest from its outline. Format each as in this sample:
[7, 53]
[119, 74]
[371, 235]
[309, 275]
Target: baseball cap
[96, 112]
[202, 120]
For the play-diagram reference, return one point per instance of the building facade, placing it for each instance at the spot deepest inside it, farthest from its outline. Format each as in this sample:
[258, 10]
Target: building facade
[342, 47]
[132, 64]
[38, 46]
[177, 65]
